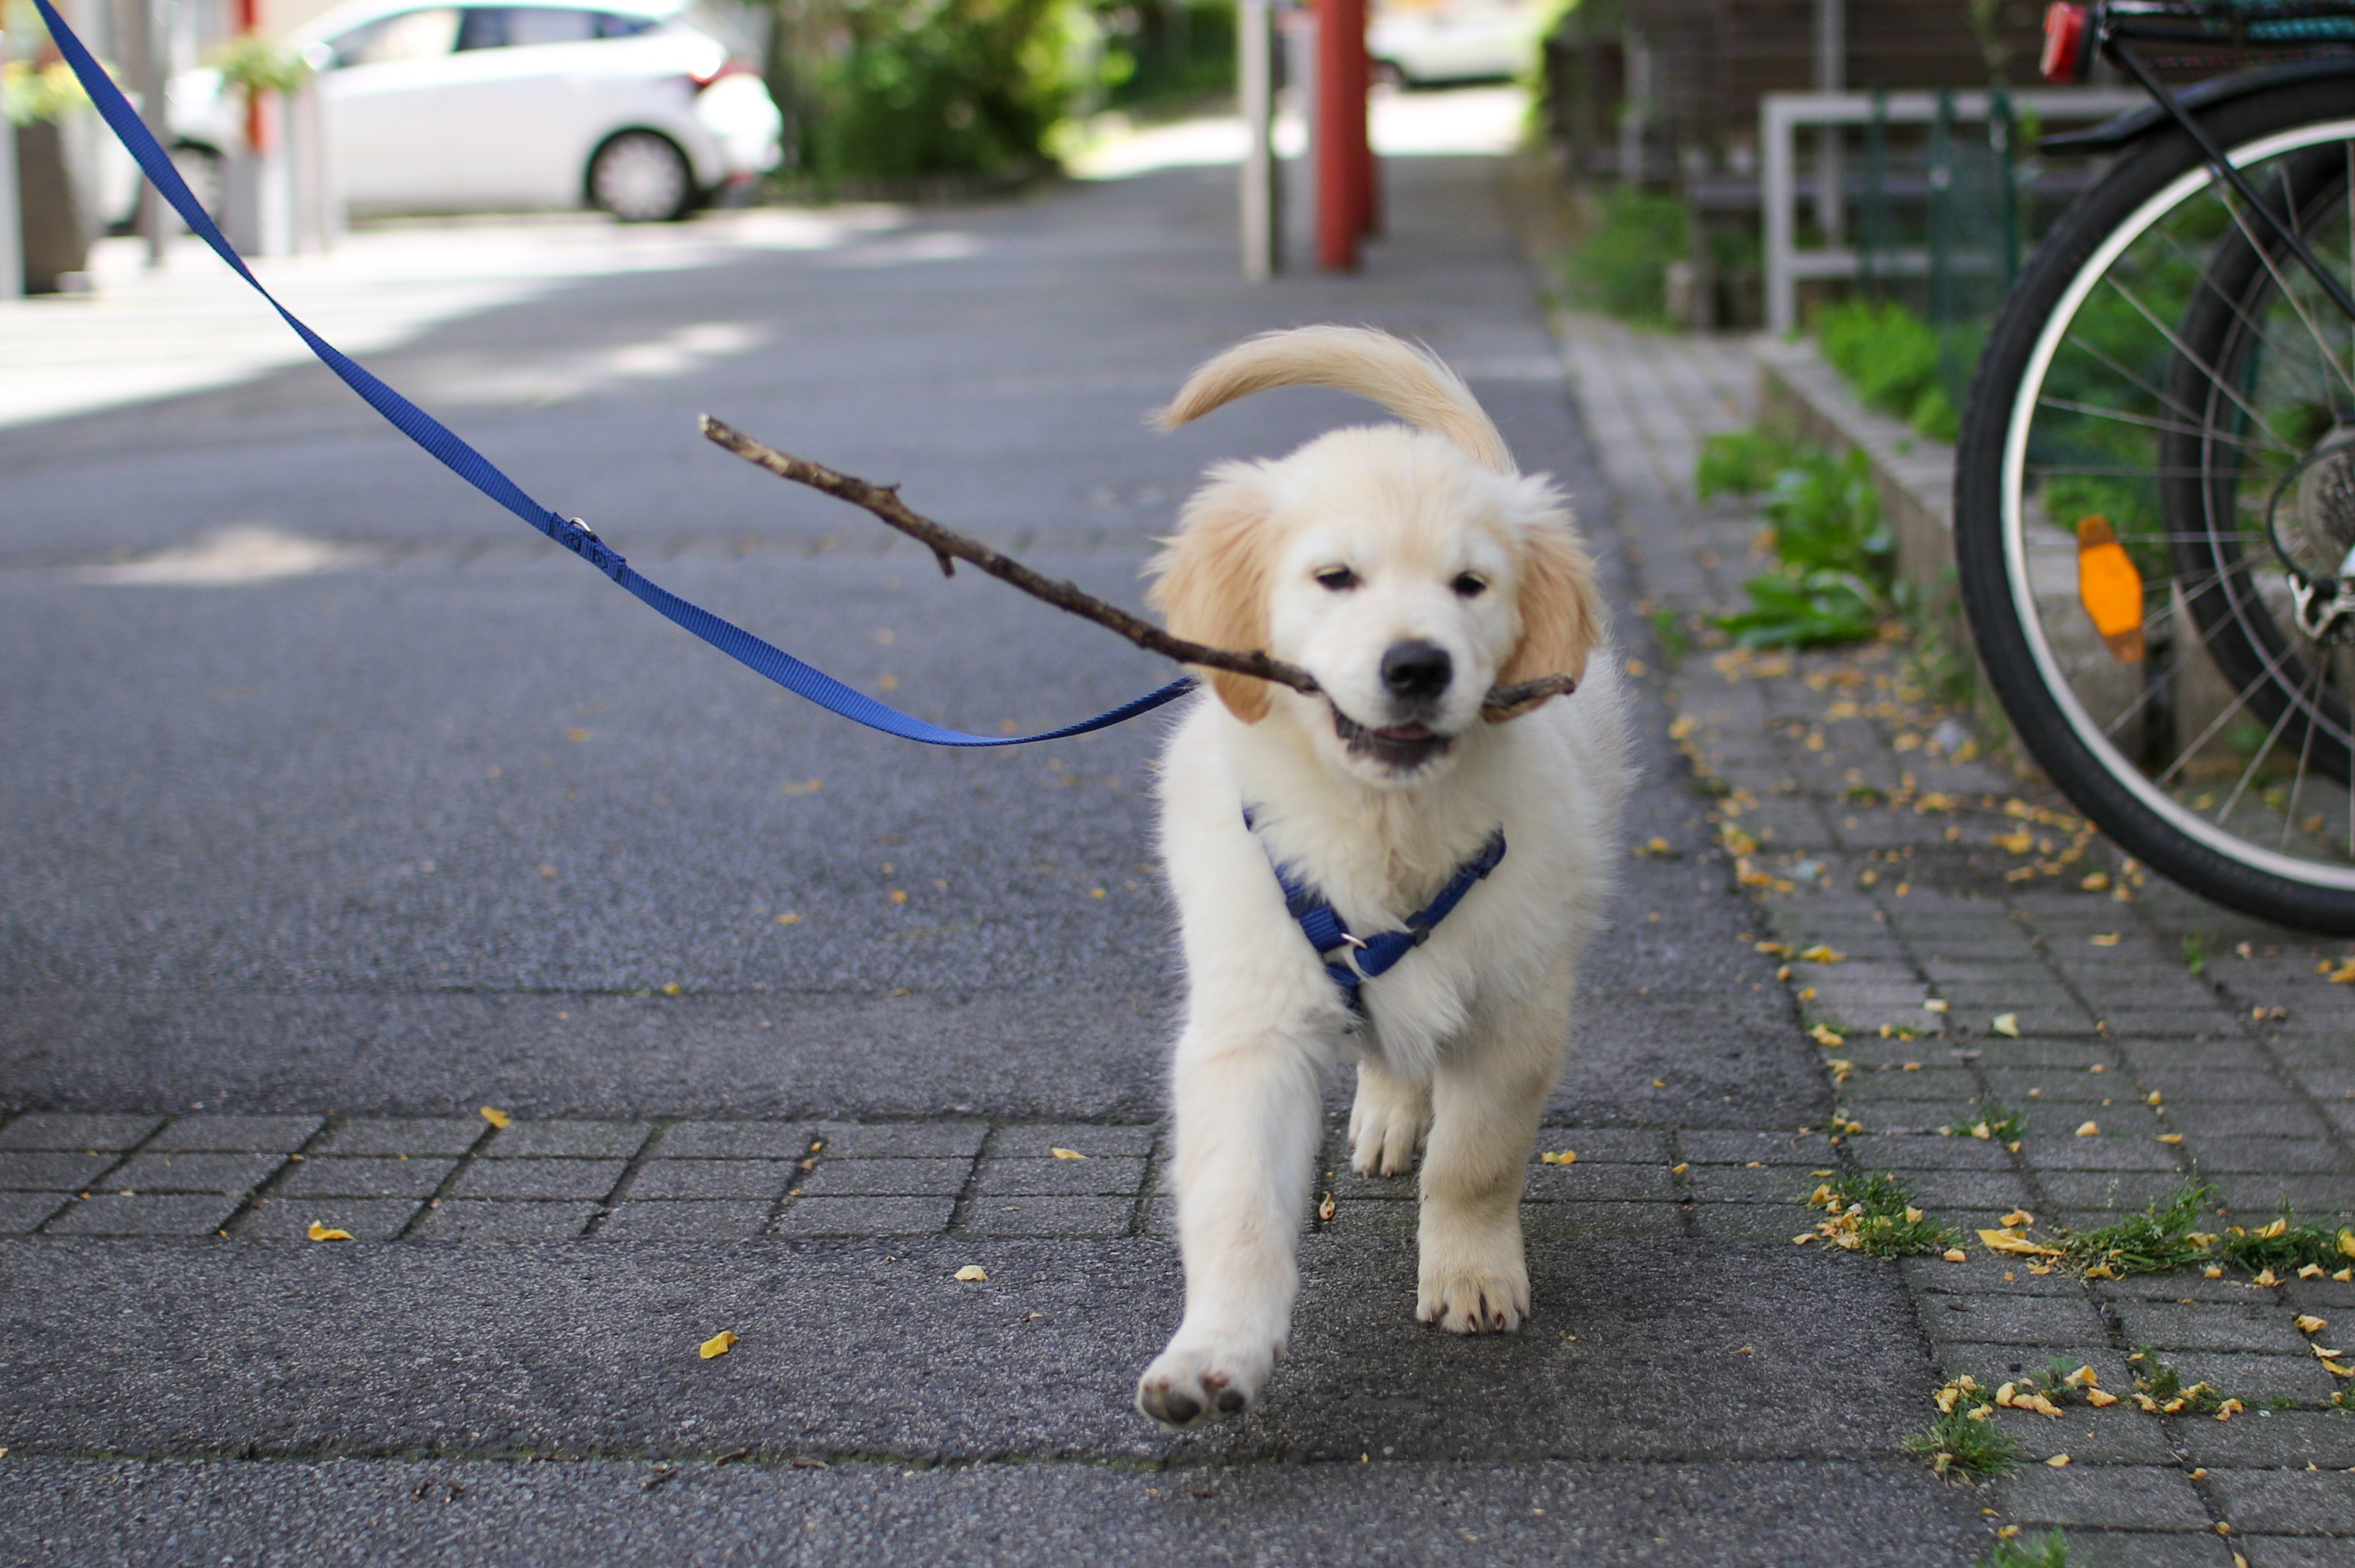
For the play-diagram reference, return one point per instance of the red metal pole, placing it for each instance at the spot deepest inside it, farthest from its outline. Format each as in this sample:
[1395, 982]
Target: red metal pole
[1344, 199]
[249, 21]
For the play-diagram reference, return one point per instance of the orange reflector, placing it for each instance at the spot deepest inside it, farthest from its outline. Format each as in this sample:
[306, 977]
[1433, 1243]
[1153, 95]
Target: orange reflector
[2110, 589]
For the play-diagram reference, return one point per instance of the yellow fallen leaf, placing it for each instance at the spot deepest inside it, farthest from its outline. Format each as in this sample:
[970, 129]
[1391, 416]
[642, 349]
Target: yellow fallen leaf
[1679, 1169]
[2310, 1271]
[2019, 1218]
[1982, 1130]
[2170, 1138]
[2323, 1355]
[2083, 1377]
[2214, 1271]
[2094, 882]
[802, 786]
[495, 1117]
[2089, 1130]
[972, 1274]
[1824, 1035]
[2337, 1370]
[1559, 1157]
[1659, 1082]
[718, 1345]
[1934, 1004]
[1821, 954]
[1912, 1216]
[2266, 1277]
[328, 1233]
[1066, 1154]
[2229, 1409]
[1955, 1256]
[2100, 1399]
[2345, 974]
[2346, 1243]
[2059, 1461]
[2003, 1395]
[2008, 1025]
[1803, 1241]
[1999, 1242]
[1327, 1209]
[2037, 1403]
[790, 917]
[2309, 1324]
[2107, 939]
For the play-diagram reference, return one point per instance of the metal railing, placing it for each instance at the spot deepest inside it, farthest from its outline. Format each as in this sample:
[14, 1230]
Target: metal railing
[1781, 114]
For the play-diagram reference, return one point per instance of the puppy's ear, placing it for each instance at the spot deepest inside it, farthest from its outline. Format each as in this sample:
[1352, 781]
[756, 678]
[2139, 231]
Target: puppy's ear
[1211, 582]
[1561, 612]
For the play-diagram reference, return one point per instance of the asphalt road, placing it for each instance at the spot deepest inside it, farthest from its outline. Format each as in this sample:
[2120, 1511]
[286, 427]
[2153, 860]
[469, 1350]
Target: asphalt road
[447, 825]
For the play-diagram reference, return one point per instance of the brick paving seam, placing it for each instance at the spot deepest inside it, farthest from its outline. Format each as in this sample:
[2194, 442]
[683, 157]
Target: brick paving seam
[1789, 766]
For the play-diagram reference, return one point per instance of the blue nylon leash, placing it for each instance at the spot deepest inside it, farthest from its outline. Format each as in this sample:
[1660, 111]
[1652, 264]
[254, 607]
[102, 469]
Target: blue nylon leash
[443, 444]
[1366, 958]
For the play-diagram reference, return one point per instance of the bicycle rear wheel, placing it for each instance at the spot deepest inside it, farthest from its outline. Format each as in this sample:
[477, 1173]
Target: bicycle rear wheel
[2160, 437]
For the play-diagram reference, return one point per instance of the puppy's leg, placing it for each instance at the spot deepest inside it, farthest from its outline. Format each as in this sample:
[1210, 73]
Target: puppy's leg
[1485, 1104]
[1387, 1122]
[1246, 1146]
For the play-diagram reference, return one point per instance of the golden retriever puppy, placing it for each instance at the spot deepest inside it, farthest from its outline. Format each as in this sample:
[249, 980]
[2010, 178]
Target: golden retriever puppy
[1410, 571]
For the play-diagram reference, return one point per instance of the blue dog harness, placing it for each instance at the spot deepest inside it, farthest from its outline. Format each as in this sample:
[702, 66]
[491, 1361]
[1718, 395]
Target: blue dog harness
[442, 444]
[1352, 960]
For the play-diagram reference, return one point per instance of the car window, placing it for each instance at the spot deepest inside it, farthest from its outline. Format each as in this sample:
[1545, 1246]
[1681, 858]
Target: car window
[520, 26]
[404, 35]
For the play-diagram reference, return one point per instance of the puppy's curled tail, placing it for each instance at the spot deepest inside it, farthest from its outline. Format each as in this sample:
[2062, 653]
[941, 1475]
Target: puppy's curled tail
[1409, 381]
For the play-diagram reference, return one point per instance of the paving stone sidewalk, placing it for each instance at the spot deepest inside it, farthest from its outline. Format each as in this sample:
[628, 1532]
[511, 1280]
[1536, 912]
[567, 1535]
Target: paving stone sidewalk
[1964, 948]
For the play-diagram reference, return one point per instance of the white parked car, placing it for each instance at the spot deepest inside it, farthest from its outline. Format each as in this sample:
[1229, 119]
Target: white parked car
[1427, 42]
[639, 107]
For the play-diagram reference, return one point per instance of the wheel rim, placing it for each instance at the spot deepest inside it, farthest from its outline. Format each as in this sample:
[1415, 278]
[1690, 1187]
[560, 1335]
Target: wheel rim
[2191, 294]
[639, 177]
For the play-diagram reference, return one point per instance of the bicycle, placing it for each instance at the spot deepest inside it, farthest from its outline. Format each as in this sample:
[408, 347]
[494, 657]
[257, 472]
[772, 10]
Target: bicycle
[2155, 484]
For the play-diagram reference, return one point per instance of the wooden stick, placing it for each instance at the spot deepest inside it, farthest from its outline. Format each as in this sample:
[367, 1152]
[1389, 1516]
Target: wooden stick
[949, 547]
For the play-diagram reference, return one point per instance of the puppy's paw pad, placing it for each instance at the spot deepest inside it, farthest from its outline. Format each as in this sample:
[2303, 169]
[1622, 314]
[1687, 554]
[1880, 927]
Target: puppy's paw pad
[1187, 1385]
[1474, 1303]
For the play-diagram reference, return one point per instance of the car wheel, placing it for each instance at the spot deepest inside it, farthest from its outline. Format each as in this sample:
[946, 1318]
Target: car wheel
[640, 177]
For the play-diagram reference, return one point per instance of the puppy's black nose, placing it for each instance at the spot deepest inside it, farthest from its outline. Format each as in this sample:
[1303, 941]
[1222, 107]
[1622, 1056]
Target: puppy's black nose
[1416, 670]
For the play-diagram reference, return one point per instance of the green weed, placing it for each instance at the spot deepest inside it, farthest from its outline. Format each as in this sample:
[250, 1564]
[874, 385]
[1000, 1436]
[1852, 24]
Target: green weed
[1891, 358]
[1875, 1214]
[1835, 556]
[1674, 638]
[1620, 265]
[1965, 1441]
[1742, 463]
[2195, 954]
[2163, 1236]
[2163, 1385]
[2039, 1551]
[1990, 1118]
[2285, 1246]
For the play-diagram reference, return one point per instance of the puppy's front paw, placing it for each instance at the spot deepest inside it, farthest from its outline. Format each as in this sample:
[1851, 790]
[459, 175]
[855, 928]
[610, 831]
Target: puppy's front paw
[1203, 1378]
[1466, 1292]
[1387, 1123]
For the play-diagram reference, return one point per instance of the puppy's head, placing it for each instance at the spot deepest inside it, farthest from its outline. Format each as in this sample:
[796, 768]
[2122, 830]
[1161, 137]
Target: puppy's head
[1405, 575]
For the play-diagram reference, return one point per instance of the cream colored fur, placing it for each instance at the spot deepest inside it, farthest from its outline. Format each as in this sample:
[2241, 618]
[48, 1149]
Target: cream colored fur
[1467, 1033]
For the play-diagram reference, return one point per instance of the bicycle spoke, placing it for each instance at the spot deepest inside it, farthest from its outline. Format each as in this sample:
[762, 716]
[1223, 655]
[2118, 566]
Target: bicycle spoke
[2288, 294]
[2266, 340]
[2070, 406]
[2190, 358]
[2305, 751]
[2238, 702]
[2256, 761]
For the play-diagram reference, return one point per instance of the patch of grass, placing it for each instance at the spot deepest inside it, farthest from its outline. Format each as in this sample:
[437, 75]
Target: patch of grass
[2195, 954]
[2031, 1552]
[1990, 1118]
[1874, 1213]
[2163, 1236]
[1965, 1441]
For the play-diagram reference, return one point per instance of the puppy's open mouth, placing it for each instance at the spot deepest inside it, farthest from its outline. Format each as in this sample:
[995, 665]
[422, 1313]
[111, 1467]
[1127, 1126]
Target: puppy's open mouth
[1400, 746]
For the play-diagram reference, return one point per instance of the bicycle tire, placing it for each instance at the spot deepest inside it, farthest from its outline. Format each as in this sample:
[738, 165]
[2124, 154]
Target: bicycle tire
[1990, 519]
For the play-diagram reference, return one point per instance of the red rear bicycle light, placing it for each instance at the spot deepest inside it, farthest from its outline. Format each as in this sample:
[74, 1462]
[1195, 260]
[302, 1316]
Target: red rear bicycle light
[2064, 60]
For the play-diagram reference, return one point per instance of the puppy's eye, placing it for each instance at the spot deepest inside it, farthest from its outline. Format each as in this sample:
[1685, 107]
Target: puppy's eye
[1339, 579]
[1470, 585]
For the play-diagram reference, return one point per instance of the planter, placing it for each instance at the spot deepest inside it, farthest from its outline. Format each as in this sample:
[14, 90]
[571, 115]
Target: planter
[60, 222]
